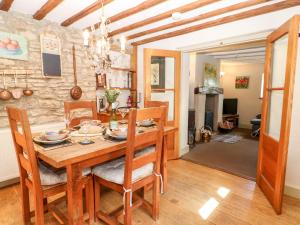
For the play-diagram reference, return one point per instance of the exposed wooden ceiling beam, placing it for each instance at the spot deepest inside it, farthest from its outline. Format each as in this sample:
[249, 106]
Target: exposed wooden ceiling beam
[46, 8]
[198, 17]
[165, 15]
[259, 54]
[6, 4]
[243, 60]
[240, 58]
[143, 6]
[227, 19]
[88, 10]
[234, 47]
[251, 50]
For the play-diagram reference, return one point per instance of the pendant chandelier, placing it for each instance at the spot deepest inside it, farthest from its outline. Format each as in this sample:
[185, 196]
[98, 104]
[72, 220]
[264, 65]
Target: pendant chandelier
[98, 44]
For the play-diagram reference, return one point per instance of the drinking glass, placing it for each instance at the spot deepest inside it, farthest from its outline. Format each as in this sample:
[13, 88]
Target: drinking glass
[123, 112]
[67, 119]
[84, 126]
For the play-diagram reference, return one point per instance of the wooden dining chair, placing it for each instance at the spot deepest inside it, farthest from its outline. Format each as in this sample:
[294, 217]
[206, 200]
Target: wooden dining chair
[78, 105]
[140, 167]
[168, 142]
[149, 104]
[40, 180]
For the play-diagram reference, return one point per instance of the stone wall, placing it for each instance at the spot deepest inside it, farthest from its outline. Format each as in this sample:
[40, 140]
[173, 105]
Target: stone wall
[46, 104]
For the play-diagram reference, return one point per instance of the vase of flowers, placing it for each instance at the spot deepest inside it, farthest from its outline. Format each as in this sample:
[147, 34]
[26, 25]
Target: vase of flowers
[111, 97]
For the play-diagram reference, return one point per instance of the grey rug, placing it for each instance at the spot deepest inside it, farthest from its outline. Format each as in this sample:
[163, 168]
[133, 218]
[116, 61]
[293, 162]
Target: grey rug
[239, 158]
[227, 138]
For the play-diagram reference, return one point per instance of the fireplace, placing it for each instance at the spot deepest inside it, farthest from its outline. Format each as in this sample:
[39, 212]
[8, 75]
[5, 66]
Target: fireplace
[208, 107]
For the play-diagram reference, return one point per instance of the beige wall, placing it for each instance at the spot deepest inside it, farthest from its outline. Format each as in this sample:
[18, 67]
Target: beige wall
[196, 78]
[192, 75]
[249, 104]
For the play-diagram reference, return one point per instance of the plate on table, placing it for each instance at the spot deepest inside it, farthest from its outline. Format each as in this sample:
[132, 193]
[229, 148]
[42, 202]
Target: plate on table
[41, 139]
[123, 122]
[120, 134]
[146, 123]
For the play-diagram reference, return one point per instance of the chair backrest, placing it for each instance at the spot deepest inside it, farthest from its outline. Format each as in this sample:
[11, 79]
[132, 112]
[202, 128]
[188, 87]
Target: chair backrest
[150, 137]
[71, 106]
[150, 104]
[22, 138]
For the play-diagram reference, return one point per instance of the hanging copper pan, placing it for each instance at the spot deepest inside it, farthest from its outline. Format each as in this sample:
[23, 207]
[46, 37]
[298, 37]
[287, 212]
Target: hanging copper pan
[27, 91]
[76, 91]
[5, 94]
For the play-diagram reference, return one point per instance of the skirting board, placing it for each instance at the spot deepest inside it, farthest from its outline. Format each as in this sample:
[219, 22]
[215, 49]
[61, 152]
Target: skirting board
[292, 191]
[184, 150]
[9, 182]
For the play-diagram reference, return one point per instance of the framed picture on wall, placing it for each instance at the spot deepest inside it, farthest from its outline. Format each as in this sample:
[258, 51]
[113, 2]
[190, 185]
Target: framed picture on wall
[157, 72]
[210, 75]
[13, 46]
[51, 56]
[101, 80]
[242, 82]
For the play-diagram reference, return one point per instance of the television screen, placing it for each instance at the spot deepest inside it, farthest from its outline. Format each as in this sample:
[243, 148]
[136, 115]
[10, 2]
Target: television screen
[230, 105]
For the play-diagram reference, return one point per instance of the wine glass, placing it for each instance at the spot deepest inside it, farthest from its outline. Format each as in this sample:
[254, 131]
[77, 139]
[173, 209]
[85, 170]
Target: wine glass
[123, 111]
[84, 127]
[67, 119]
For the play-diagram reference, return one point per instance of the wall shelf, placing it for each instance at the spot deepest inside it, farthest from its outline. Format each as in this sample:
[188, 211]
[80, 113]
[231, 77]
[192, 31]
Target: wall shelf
[131, 72]
[121, 88]
[123, 69]
[129, 89]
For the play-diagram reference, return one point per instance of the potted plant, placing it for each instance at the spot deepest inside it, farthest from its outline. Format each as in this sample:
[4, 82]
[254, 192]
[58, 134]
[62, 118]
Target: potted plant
[111, 97]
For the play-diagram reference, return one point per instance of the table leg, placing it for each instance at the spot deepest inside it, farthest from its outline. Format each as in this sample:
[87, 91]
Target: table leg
[74, 195]
[164, 161]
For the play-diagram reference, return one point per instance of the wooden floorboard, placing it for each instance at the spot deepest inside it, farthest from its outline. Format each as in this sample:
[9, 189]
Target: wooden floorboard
[191, 188]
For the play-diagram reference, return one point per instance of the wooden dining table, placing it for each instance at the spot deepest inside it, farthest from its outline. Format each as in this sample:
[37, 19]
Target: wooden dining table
[76, 157]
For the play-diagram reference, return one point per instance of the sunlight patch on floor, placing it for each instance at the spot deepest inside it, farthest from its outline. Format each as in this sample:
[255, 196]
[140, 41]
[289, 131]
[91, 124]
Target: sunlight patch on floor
[208, 208]
[223, 192]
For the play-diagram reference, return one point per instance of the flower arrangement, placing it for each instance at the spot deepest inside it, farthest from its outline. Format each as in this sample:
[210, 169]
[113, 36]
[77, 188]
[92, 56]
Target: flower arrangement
[112, 95]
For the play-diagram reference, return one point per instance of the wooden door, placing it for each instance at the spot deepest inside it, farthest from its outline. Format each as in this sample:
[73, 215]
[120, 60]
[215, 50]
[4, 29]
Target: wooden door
[166, 87]
[279, 79]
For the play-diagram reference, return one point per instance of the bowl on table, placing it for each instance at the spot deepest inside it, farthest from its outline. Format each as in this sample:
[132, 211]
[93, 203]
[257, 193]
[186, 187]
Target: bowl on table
[55, 136]
[120, 133]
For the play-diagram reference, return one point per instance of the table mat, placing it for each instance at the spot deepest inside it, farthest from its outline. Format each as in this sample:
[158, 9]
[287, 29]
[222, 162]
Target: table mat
[54, 146]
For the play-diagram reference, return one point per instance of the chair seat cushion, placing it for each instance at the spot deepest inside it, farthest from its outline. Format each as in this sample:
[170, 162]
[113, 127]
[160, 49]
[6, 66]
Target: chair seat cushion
[50, 177]
[114, 171]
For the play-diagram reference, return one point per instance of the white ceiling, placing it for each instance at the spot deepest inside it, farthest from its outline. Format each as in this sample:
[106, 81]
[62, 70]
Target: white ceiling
[250, 55]
[70, 7]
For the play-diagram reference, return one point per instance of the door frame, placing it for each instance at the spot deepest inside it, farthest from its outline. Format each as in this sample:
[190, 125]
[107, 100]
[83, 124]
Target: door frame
[275, 193]
[148, 52]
